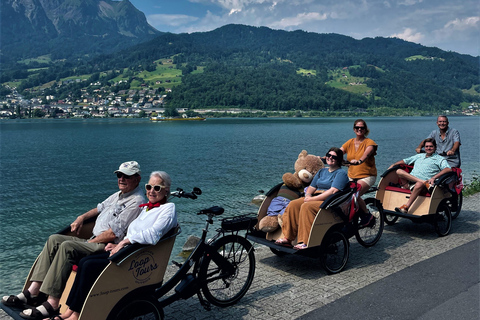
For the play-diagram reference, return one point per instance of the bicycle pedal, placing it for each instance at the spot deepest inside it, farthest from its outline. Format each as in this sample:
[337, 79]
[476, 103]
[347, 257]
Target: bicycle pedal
[176, 263]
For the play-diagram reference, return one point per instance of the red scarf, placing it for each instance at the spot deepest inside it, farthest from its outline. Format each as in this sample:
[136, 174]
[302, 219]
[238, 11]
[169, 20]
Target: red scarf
[153, 205]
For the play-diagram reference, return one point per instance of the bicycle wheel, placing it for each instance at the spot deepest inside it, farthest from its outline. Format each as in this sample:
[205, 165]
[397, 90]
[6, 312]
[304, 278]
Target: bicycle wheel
[443, 221]
[369, 235]
[138, 309]
[458, 206]
[390, 219]
[222, 288]
[335, 251]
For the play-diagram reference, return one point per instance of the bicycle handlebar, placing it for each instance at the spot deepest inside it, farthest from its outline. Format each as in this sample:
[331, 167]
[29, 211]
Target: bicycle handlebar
[182, 194]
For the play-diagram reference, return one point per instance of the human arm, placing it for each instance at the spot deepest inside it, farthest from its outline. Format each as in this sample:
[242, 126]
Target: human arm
[454, 149]
[120, 245]
[397, 163]
[442, 172]
[368, 151]
[420, 146]
[104, 237]
[76, 226]
[321, 196]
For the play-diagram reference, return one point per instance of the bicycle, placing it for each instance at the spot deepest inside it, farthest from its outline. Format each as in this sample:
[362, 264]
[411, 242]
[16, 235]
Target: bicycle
[223, 269]
[337, 220]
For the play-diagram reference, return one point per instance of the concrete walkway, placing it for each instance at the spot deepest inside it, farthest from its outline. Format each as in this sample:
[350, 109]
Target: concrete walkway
[400, 266]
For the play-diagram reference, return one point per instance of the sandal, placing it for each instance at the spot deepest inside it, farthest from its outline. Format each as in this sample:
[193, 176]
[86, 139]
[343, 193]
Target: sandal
[16, 302]
[300, 246]
[36, 314]
[283, 242]
[403, 209]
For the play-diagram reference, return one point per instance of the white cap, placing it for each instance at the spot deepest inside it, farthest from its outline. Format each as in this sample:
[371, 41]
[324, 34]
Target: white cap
[129, 168]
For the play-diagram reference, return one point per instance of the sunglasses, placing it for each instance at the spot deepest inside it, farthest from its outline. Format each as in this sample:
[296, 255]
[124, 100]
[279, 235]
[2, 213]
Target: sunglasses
[328, 155]
[149, 187]
[120, 175]
[359, 128]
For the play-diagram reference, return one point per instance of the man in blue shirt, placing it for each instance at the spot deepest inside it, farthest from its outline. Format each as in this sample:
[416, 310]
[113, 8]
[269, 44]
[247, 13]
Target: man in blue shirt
[428, 167]
[448, 142]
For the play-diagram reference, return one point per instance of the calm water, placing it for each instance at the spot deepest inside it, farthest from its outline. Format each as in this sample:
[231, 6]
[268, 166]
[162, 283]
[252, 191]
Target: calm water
[53, 170]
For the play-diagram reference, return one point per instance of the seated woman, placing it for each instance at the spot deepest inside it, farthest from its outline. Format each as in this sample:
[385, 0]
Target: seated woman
[428, 167]
[156, 219]
[300, 213]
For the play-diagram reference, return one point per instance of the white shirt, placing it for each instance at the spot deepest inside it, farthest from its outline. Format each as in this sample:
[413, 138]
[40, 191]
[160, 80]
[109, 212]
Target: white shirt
[151, 225]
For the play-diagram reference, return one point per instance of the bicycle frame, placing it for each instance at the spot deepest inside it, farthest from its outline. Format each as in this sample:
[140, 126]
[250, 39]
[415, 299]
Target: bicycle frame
[190, 284]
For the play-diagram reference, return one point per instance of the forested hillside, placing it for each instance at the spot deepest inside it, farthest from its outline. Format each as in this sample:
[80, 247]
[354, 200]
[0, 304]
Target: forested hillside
[257, 67]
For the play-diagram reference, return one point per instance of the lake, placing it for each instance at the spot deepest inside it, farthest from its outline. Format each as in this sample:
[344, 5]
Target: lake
[51, 171]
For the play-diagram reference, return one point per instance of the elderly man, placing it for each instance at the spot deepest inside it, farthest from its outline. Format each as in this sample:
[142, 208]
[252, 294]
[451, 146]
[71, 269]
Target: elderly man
[428, 167]
[61, 252]
[448, 142]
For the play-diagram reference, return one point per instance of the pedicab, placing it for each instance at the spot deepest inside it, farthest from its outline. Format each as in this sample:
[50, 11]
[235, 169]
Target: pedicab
[131, 285]
[337, 220]
[437, 206]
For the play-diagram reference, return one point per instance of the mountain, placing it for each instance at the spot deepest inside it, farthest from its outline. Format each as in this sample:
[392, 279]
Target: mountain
[239, 66]
[257, 67]
[70, 28]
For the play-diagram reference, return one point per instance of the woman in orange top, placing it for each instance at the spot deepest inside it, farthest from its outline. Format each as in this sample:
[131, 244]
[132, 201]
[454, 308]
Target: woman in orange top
[361, 152]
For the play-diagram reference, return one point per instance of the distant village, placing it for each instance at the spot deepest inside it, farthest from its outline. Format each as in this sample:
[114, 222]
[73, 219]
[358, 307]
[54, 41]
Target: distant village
[104, 103]
[101, 102]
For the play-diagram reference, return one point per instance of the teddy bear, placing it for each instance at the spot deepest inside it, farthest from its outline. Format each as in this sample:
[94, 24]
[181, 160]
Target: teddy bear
[306, 166]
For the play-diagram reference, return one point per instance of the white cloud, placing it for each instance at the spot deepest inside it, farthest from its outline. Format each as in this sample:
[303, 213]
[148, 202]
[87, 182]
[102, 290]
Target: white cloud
[409, 34]
[173, 20]
[410, 2]
[463, 24]
[298, 20]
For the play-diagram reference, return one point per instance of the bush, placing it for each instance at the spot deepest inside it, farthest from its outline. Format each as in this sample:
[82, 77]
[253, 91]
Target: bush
[473, 187]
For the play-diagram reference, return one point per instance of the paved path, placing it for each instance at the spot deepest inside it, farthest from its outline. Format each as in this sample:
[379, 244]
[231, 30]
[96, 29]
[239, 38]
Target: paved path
[292, 287]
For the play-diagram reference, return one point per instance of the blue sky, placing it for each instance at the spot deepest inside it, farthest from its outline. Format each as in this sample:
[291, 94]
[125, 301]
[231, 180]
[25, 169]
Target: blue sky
[452, 25]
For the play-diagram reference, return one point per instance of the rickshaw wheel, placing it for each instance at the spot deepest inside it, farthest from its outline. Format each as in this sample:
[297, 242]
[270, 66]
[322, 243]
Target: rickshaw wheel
[137, 309]
[223, 290]
[459, 205]
[278, 252]
[443, 219]
[335, 251]
[390, 219]
[369, 235]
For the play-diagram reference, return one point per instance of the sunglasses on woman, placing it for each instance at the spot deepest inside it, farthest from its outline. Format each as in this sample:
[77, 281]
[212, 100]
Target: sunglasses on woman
[334, 157]
[149, 187]
[359, 128]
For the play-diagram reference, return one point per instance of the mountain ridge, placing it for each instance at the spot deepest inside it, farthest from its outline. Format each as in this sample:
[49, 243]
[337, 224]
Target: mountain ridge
[34, 27]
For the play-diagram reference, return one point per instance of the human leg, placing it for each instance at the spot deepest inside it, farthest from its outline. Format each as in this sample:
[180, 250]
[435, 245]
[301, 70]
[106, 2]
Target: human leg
[88, 270]
[68, 254]
[290, 219]
[31, 295]
[308, 213]
[417, 189]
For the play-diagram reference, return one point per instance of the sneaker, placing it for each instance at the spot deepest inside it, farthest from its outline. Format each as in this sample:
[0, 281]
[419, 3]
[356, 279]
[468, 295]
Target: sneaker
[365, 220]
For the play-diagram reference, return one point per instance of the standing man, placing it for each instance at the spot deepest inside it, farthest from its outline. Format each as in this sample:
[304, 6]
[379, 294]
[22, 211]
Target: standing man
[448, 142]
[61, 252]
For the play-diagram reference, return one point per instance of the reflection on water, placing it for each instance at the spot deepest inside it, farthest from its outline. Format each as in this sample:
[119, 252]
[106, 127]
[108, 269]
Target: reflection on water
[53, 170]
